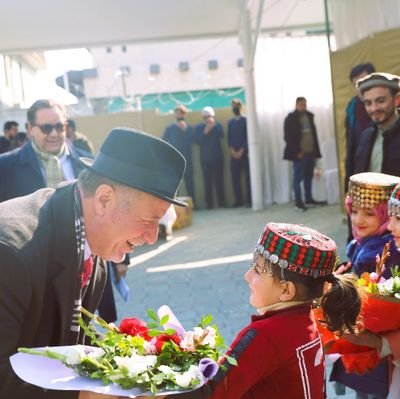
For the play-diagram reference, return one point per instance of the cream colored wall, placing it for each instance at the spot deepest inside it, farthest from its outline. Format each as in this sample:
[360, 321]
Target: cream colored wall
[96, 127]
[139, 57]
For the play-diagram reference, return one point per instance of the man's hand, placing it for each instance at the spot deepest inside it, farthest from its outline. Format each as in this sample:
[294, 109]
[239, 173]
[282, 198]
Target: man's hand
[343, 268]
[210, 123]
[182, 124]
[93, 395]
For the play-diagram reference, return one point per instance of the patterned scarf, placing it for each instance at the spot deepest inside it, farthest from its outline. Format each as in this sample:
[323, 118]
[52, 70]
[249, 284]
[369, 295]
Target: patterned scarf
[51, 165]
[80, 244]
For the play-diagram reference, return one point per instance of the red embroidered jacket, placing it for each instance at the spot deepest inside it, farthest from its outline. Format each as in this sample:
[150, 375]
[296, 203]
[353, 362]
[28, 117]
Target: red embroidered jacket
[279, 356]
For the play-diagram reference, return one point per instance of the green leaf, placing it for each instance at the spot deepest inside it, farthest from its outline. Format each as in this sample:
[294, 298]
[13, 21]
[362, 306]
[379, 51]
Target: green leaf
[155, 333]
[231, 360]
[152, 324]
[152, 314]
[164, 319]
[205, 321]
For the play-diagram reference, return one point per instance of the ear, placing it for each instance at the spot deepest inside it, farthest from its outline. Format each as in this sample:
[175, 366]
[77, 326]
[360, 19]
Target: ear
[104, 198]
[29, 129]
[288, 291]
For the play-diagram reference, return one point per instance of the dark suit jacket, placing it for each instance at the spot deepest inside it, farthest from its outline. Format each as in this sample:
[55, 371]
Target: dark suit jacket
[292, 129]
[21, 172]
[390, 150]
[39, 274]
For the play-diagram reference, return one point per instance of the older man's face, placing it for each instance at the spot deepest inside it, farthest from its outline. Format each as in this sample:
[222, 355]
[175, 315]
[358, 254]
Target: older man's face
[48, 118]
[127, 222]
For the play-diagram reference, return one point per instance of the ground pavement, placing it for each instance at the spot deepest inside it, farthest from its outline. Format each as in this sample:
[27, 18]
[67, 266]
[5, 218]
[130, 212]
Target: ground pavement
[201, 270]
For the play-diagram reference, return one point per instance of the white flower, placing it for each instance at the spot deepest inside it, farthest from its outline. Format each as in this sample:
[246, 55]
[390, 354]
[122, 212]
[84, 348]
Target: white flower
[166, 369]
[96, 353]
[136, 364]
[187, 342]
[184, 380]
[198, 333]
[210, 336]
[386, 287]
[75, 354]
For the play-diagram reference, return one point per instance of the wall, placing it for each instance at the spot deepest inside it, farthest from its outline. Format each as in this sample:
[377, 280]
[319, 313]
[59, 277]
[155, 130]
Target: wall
[110, 82]
[96, 127]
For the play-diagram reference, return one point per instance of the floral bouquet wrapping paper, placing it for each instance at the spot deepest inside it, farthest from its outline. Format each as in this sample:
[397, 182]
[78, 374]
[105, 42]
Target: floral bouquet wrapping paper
[138, 358]
[380, 314]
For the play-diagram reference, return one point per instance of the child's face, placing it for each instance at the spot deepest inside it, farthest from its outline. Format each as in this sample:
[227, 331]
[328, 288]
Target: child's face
[394, 228]
[364, 222]
[264, 289]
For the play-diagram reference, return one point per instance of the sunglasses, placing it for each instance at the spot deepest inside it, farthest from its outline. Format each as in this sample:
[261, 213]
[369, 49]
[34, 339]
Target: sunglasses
[47, 128]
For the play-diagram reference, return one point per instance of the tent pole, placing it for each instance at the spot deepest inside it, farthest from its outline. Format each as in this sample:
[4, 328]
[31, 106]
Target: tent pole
[254, 142]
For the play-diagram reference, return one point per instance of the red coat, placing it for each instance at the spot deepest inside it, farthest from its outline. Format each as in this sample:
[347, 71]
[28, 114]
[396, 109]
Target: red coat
[279, 356]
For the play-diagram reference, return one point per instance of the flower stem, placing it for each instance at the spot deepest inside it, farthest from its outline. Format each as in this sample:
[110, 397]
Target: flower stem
[97, 319]
[46, 352]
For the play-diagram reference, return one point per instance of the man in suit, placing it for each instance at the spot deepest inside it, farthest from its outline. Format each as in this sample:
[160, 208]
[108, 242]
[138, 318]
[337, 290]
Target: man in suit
[208, 134]
[46, 160]
[54, 244]
[180, 135]
[302, 148]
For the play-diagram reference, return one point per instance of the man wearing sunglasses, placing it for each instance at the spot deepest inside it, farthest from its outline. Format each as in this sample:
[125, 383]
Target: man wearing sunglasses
[46, 160]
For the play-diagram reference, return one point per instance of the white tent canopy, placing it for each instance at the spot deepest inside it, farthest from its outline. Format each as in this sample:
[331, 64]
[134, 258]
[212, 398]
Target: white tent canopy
[42, 25]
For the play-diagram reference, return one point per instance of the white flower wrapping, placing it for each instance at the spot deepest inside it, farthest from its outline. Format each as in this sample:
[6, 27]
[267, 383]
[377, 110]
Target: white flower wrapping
[132, 364]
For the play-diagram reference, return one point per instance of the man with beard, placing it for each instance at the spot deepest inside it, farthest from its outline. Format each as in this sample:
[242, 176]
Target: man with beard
[379, 148]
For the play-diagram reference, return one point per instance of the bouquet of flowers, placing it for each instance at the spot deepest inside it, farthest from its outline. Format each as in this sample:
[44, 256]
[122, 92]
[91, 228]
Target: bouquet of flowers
[158, 356]
[380, 313]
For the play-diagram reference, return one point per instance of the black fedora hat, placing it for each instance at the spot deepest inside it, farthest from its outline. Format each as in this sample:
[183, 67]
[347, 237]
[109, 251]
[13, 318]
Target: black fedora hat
[141, 161]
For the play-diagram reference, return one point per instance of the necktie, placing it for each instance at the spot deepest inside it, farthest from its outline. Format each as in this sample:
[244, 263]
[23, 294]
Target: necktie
[87, 270]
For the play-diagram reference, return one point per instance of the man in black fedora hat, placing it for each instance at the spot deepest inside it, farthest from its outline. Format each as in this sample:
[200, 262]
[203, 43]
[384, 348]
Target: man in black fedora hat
[54, 244]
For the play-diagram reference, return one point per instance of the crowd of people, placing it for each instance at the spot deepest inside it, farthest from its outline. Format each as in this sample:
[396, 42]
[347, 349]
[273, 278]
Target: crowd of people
[67, 218]
[209, 135]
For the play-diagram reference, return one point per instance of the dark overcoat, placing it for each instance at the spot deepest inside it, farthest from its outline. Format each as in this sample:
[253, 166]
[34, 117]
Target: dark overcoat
[39, 268]
[21, 172]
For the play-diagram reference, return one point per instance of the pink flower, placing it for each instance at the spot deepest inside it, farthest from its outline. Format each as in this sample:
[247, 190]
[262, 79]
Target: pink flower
[187, 342]
[374, 277]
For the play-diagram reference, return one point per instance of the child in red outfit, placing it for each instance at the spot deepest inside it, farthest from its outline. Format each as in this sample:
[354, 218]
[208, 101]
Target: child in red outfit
[279, 353]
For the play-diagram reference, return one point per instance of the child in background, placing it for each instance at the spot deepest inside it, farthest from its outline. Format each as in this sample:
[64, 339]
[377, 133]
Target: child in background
[279, 353]
[367, 206]
[388, 345]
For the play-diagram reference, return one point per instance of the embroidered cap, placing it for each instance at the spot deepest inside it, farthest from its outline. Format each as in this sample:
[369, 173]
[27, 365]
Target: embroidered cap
[394, 201]
[370, 189]
[379, 79]
[297, 248]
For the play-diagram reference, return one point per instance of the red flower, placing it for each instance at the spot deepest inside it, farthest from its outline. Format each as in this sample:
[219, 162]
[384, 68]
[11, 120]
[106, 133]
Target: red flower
[134, 327]
[163, 338]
